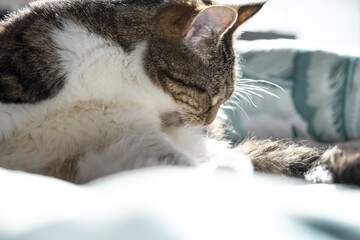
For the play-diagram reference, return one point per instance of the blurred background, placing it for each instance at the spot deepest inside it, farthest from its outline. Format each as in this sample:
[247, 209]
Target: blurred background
[321, 20]
[319, 71]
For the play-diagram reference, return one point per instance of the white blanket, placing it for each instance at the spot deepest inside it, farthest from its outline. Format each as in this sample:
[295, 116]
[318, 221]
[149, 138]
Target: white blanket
[175, 203]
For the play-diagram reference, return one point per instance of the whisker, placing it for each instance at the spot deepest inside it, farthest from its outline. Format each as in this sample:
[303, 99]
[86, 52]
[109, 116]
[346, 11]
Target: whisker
[255, 93]
[253, 89]
[247, 86]
[240, 107]
[227, 107]
[240, 97]
[247, 116]
[250, 97]
[248, 80]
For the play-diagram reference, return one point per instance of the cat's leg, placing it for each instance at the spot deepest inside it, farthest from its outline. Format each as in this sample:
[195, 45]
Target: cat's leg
[315, 164]
[132, 151]
[213, 154]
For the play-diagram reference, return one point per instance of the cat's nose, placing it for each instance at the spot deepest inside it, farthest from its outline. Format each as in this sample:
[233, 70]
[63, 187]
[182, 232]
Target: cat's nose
[212, 115]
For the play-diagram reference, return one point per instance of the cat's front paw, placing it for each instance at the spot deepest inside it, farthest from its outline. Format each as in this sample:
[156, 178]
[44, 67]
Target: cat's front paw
[230, 161]
[186, 161]
[174, 159]
[238, 162]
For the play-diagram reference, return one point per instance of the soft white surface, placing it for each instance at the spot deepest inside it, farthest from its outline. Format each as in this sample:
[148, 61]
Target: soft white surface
[172, 203]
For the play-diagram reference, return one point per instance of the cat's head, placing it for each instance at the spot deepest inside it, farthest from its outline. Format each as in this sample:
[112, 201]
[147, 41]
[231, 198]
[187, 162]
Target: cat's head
[191, 56]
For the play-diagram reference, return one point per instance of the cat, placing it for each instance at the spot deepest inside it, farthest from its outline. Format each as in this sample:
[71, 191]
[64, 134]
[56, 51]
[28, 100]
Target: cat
[93, 87]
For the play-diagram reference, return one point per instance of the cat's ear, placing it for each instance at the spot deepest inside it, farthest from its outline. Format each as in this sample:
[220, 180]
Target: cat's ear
[245, 12]
[208, 26]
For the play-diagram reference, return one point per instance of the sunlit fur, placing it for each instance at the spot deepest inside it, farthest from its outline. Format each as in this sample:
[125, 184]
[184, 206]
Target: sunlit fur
[93, 87]
[108, 117]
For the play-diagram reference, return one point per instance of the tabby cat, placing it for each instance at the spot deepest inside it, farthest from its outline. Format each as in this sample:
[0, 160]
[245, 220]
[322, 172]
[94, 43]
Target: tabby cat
[93, 87]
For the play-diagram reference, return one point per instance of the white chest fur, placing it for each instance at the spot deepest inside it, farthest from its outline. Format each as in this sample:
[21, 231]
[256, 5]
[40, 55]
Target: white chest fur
[97, 71]
[100, 78]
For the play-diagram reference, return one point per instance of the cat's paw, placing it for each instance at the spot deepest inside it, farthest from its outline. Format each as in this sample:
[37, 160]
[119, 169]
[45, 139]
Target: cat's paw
[230, 161]
[185, 161]
[174, 159]
[336, 166]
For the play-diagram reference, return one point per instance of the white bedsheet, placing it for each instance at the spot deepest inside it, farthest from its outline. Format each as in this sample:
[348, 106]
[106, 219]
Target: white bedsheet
[175, 203]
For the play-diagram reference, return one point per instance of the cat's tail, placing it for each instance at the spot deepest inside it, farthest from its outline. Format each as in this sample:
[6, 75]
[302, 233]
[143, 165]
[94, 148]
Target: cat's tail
[337, 166]
[315, 164]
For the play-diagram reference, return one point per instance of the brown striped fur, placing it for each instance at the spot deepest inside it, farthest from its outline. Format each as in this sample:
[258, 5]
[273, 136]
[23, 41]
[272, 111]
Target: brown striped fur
[30, 72]
[63, 169]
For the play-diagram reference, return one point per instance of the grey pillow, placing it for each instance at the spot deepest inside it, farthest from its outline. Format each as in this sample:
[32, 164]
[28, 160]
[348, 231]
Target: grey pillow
[322, 84]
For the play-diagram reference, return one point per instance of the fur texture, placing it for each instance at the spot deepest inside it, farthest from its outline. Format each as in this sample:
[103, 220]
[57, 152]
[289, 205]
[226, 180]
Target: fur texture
[93, 87]
[86, 86]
